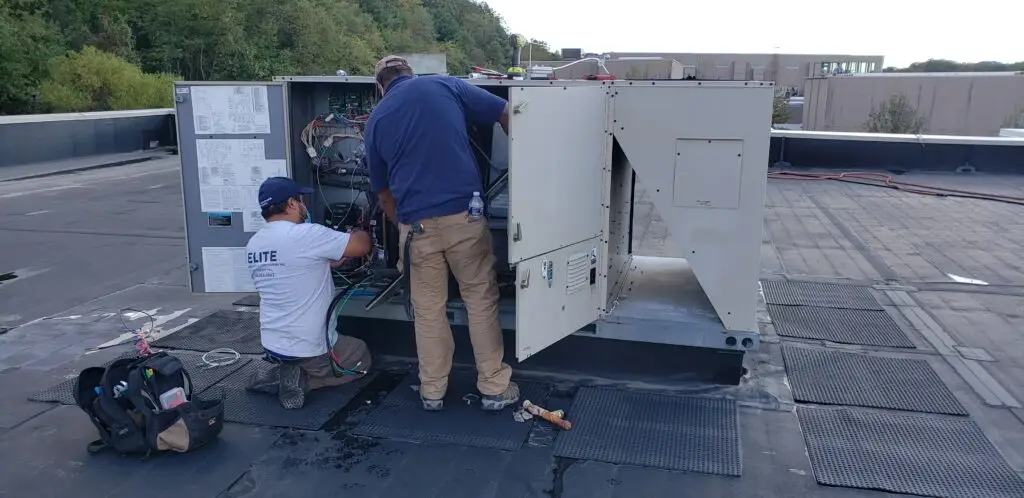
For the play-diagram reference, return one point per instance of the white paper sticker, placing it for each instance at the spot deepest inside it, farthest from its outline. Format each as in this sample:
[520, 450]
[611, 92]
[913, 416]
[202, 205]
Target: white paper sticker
[225, 269]
[261, 170]
[230, 110]
[181, 90]
[230, 161]
[227, 199]
[252, 220]
[230, 174]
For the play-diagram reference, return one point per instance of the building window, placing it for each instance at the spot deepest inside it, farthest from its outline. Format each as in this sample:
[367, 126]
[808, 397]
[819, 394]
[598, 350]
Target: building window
[872, 67]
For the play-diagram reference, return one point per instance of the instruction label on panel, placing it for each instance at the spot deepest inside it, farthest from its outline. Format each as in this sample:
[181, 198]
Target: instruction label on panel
[225, 269]
[230, 110]
[252, 220]
[230, 174]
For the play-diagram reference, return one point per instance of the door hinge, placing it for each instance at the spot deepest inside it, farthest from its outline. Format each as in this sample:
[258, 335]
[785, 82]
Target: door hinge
[517, 235]
[525, 282]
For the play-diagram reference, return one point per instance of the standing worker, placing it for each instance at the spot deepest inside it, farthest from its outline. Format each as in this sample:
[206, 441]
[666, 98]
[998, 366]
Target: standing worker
[426, 177]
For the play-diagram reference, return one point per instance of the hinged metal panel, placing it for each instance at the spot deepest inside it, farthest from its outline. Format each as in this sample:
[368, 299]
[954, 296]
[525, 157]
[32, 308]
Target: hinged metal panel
[558, 294]
[557, 149]
[231, 136]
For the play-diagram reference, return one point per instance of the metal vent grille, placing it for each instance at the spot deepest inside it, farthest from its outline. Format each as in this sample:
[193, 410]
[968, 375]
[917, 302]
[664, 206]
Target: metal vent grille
[577, 272]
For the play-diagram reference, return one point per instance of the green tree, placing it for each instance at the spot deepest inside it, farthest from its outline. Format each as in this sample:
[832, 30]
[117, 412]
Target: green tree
[27, 42]
[92, 80]
[406, 25]
[541, 51]
[471, 34]
[780, 106]
[895, 115]
[240, 39]
[198, 39]
[326, 35]
[948, 66]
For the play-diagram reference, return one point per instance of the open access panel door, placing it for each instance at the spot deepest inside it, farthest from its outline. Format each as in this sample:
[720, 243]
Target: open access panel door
[559, 145]
[231, 137]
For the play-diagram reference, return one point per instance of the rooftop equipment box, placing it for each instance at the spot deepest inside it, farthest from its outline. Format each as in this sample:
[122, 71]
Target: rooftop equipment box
[561, 217]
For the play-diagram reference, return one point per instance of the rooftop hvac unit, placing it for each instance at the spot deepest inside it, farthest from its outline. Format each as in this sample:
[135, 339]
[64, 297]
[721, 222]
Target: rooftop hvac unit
[541, 73]
[559, 192]
[572, 53]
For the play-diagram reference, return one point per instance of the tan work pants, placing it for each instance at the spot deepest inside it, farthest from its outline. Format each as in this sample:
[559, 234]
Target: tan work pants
[466, 248]
[351, 352]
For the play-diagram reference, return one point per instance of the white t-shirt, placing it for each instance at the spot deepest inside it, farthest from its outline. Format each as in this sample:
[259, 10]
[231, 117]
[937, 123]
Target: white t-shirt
[290, 265]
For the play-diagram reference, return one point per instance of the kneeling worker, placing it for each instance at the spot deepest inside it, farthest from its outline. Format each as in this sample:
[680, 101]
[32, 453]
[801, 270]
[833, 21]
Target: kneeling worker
[290, 262]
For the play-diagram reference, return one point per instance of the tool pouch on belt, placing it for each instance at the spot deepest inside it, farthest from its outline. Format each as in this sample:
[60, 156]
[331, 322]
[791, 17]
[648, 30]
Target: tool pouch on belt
[407, 268]
[146, 404]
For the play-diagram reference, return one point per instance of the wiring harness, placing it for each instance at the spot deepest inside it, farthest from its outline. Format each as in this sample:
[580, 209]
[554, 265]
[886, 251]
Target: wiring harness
[333, 311]
[325, 135]
[334, 143]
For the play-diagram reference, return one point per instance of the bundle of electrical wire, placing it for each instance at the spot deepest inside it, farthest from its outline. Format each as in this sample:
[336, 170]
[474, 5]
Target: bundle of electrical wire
[333, 312]
[325, 131]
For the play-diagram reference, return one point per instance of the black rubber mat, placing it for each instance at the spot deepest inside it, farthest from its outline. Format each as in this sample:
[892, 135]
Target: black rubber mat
[864, 327]
[821, 294]
[838, 378]
[686, 433]
[462, 422]
[260, 409]
[238, 330]
[250, 300]
[202, 378]
[932, 455]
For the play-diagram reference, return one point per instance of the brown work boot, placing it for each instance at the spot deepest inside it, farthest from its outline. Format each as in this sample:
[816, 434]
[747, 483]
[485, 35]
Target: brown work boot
[500, 401]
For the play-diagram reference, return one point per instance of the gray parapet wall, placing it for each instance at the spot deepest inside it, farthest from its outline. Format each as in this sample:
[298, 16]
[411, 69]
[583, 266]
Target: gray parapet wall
[877, 151]
[37, 138]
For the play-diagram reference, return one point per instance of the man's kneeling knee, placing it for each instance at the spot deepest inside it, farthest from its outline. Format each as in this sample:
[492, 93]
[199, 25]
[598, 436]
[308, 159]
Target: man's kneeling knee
[350, 362]
[290, 380]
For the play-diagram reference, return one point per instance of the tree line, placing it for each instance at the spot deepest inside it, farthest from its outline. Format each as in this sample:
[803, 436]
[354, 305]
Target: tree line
[948, 66]
[85, 55]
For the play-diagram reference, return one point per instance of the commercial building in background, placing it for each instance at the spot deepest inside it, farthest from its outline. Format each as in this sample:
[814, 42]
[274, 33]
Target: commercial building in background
[786, 70]
[975, 104]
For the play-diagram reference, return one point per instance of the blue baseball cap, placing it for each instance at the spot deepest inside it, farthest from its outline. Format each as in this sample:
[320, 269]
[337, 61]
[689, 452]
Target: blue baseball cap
[278, 189]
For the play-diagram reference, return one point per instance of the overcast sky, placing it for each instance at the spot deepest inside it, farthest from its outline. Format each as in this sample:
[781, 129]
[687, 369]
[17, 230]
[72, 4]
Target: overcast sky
[904, 31]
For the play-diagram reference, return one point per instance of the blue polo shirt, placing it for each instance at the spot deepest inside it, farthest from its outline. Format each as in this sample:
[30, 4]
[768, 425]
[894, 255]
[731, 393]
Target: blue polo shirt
[417, 144]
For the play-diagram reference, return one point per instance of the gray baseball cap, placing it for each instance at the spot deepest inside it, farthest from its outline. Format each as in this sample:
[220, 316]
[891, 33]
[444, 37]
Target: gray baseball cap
[390, 61]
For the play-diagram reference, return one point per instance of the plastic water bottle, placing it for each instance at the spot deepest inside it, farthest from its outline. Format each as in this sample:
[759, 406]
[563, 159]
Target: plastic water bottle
[476, 207]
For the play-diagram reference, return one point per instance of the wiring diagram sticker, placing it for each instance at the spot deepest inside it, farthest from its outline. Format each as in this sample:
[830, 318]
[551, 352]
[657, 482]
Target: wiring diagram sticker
[230, 110]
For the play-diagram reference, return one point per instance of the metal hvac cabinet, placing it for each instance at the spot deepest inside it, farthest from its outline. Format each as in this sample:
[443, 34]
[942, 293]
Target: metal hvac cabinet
[557, 186]
[564, 240]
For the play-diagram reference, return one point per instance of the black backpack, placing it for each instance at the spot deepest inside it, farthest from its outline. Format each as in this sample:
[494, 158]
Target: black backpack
[123, 402]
